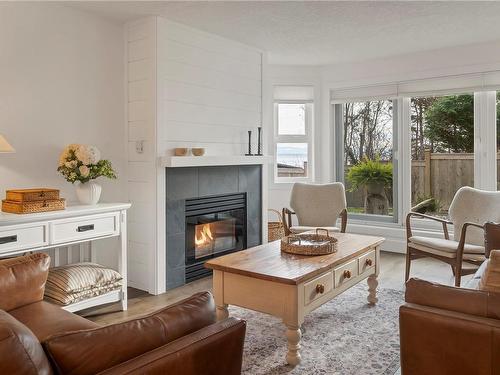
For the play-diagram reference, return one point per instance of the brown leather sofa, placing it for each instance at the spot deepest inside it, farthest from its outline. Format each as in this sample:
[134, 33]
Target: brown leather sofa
[37, 337]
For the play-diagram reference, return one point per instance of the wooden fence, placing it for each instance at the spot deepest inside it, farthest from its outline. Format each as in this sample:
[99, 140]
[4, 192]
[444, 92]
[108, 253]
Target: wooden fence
[439, 176]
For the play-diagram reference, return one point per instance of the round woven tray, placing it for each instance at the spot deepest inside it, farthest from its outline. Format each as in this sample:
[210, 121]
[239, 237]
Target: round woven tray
[310, 244]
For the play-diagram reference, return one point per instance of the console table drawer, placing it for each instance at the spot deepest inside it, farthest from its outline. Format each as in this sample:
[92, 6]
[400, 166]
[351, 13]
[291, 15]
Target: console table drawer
[366, 262]
[346, 272]
[26, 237]
[318, 287]
[63, 231]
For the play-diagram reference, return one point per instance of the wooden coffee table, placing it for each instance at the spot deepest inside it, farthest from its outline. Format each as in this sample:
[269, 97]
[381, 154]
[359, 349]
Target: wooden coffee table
[290, 286]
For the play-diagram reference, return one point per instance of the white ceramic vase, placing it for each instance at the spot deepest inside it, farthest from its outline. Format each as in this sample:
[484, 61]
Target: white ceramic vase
[88, 193]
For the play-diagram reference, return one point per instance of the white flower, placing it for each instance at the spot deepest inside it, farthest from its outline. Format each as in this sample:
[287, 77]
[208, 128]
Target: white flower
[62, 158]
[66, 153]
[88, 154]
[71, 164]
[82, 154]
[94, 154]
[73, 147]
[84, 171]
[72, 175]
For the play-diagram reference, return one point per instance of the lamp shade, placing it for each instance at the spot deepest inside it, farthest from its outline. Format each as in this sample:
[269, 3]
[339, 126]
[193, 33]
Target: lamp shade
[5, 147]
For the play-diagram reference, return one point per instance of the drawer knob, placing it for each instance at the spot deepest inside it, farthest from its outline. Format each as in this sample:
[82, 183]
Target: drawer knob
[369, 262]
[320, 289]
[347, 274]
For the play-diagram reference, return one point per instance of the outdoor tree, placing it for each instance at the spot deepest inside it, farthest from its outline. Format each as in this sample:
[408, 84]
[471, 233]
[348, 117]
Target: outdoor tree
[367, 131]
[450, 124]
[419, 142]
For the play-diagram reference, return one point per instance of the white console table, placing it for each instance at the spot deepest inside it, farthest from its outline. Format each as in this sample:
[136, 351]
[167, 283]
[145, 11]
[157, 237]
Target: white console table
[75, 225]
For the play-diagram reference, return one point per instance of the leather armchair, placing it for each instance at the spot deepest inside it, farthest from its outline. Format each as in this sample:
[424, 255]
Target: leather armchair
[449, 330]
[37, 337]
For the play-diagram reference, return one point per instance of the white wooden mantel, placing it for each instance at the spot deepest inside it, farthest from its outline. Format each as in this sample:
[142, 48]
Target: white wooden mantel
[212, 161]
[60, 229]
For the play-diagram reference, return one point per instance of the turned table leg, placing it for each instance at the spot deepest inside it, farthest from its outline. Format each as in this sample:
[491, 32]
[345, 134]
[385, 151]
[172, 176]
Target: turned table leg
[372, 289]
[218, 291]
[293, 336]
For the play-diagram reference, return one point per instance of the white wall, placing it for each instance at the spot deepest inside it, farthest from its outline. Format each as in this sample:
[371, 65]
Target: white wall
[209, 91]
[186, 88]
[141, 109]
[428, 64]
[61, 82]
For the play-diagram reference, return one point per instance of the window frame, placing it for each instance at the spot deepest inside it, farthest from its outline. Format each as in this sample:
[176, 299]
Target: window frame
[307, 138]
[338, 116]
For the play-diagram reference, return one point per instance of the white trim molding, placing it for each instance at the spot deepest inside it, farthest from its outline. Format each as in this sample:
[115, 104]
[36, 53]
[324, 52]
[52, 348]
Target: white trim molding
[485, 140]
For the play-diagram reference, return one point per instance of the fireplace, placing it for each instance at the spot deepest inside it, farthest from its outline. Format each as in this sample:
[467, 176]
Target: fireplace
[229, 198]
[215, 225]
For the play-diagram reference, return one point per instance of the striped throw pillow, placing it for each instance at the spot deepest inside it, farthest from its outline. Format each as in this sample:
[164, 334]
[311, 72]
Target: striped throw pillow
[74, 282]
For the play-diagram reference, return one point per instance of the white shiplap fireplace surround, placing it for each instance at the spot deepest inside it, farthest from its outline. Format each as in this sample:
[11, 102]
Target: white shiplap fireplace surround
[186, 88]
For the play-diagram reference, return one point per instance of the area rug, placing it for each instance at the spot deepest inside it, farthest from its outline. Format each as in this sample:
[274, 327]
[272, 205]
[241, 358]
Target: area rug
[344, 336]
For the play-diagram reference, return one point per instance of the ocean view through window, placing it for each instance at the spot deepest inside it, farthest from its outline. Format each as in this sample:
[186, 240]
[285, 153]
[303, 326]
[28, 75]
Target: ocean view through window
[293, 128]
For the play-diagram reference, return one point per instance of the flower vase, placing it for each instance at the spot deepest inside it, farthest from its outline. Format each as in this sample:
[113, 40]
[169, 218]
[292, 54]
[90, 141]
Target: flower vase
[88, 193]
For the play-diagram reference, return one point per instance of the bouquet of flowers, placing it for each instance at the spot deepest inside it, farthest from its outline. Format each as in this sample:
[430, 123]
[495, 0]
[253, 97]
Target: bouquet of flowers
[83, 163]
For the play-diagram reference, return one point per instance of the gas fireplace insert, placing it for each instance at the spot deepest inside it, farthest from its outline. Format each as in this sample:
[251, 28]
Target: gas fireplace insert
[215, 226]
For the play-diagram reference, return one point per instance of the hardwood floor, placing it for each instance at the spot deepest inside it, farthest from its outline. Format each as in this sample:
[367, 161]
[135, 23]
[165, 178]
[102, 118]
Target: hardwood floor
[391, 276]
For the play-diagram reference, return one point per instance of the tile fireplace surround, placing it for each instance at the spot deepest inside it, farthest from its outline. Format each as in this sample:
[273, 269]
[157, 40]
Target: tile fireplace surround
[195, 182]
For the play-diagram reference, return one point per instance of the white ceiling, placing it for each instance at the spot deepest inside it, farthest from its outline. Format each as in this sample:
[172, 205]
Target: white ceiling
[317, 33]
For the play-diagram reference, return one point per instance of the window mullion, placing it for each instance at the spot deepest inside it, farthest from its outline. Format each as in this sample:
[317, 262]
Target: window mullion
[404, 160]
[485, 152]
[339, 143]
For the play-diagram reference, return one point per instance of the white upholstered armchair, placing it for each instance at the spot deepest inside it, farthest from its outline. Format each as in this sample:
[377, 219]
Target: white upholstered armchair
[316, 206]
[470, 209]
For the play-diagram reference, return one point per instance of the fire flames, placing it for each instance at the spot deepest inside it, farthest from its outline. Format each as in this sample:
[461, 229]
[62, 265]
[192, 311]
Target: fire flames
[203, 235]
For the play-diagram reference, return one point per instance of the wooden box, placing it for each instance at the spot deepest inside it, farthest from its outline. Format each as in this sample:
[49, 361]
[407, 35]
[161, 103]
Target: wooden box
[33, 206]
[31, 195]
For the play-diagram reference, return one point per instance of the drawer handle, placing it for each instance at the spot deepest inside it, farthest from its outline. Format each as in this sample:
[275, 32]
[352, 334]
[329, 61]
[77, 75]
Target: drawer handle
[347, 274]
[8, 239]
[320, 289]
[369, 262]
[85, 228]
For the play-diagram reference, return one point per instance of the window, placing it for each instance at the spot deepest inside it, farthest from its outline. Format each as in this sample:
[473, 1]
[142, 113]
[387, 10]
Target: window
[366, 133]
[442, 150]
[293, 141]
[438, 134]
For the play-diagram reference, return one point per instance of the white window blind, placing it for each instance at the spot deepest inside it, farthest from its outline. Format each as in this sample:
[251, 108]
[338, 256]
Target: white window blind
[477, 82]
[366, 93]
[294, 93]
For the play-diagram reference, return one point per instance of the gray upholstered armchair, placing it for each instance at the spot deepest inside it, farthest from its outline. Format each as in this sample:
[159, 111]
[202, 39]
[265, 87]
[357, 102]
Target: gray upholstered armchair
[469, 211]
[316, 206]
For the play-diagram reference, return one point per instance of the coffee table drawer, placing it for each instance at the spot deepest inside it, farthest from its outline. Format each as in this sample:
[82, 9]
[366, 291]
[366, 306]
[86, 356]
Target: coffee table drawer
[63, 231]
[346, 272]
[366, 262]
[318, 287]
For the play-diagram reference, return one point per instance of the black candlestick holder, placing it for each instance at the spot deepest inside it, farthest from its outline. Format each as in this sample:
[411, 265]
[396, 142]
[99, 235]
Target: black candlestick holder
[249, 144]
[259, 141]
